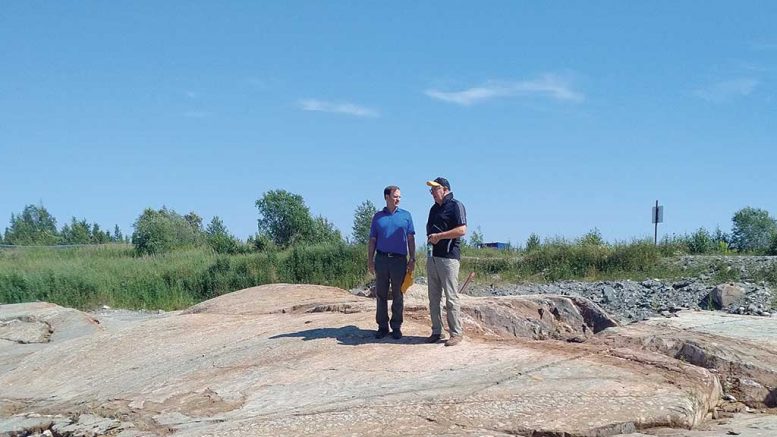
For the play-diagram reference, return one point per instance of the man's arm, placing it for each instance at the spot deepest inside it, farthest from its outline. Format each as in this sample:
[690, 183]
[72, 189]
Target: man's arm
[411, 252]
[456, 232]
[371, 255]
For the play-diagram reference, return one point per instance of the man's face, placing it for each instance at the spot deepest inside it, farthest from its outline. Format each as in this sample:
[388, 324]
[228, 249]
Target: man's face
[438, 193]
[392, 200]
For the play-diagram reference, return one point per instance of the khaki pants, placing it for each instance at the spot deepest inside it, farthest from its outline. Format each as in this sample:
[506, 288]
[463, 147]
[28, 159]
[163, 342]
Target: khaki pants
[443, 276]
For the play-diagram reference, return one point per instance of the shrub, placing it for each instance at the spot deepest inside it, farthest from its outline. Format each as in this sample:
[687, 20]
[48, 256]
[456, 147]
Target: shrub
[533, 242]
[161, 231]
[701, 242]
[327, 264]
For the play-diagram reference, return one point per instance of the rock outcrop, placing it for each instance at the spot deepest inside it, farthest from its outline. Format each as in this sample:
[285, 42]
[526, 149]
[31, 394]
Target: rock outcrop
[298, 359]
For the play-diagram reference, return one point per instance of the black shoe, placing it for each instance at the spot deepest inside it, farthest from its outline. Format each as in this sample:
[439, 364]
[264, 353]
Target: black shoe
[434, 338]
[381, 333]
[396, 334]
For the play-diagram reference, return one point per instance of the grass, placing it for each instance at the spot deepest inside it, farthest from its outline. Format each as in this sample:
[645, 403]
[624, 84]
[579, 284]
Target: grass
[88, 277]
[560, 260]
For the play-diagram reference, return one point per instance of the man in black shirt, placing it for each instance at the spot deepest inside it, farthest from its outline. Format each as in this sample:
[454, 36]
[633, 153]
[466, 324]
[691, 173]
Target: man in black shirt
[446, 226]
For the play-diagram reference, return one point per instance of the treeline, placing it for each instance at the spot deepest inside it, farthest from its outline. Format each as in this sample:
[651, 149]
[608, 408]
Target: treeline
[35, 226]
[753, 232]
[176, 260]
[284, 221]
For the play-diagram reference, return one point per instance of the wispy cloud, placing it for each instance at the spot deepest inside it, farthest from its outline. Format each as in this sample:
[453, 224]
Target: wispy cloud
[727, 90]
[337, 108]
[550, 86]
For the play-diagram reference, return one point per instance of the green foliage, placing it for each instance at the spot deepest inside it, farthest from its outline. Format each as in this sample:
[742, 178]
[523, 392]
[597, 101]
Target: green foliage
[77, 232]
[476, 238]
[34, 226]
[117, 235]
[701, 242]
[87, 277]
[558, 259]
[752, 230]
[773, 245]
[284, 217]
[261, 243]
[324, 231]
[161, 231]
[533, 242]
[362, 220]
[592, 238]
[219, 239]
[327, 264]
[194, 220]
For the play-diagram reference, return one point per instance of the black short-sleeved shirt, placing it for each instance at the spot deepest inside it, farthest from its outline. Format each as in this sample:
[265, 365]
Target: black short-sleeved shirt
[451, 214]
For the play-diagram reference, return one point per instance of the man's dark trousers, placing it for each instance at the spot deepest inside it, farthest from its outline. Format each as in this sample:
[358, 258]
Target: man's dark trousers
[389, 274]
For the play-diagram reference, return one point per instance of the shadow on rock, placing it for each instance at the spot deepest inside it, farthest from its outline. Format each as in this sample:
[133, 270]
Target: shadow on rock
[350, 335]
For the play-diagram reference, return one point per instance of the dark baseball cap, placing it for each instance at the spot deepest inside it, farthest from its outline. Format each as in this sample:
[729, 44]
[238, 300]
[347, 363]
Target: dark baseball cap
[439, 182]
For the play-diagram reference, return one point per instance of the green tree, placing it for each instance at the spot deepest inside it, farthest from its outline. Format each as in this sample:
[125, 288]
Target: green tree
[160, 231]
[77, 232]
[261, 243]
[773, 245]
[362, 220]
[753, 230]
[34, 226]
[194, 220]
[117, 237]
[533, 242]
[701, 242]
[99, 236]
[592, 238]
[324, 231]
[285, 218]
[476, 238]
[219, 239]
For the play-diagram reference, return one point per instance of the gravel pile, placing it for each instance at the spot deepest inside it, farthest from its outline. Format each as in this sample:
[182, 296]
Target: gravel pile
[630, 301]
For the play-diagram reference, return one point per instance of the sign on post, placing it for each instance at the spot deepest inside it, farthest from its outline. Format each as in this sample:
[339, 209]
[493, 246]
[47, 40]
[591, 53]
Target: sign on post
[658, 217]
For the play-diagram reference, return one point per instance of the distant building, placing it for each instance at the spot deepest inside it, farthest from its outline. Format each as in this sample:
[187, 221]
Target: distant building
[500, 246]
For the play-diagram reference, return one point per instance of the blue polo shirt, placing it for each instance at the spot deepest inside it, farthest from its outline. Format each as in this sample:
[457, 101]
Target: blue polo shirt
[390, 230]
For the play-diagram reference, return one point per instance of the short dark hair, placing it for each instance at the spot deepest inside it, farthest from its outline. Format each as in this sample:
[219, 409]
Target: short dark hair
[389, 190]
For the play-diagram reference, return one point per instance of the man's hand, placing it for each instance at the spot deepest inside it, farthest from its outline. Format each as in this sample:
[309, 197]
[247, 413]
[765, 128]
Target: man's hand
[434, 238]
[371, 266]
[411, 265]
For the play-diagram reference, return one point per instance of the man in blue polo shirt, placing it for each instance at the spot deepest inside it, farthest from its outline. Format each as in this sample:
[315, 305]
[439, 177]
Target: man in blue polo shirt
[392, 239]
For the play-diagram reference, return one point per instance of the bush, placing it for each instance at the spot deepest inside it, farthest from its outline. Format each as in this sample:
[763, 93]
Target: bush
[753, 230]
[533, 242]
[161, 231]
[701, 242]
[327, 264]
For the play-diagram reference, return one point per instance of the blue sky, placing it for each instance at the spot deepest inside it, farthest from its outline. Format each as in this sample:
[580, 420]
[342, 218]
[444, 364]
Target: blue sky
[547, 117]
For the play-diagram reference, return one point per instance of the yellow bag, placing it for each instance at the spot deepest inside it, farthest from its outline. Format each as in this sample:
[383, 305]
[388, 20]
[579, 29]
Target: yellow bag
[407, 282]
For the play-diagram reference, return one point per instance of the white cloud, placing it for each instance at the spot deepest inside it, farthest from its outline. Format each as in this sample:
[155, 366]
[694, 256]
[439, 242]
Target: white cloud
[549, 85]
[727, 90]
[337, 108]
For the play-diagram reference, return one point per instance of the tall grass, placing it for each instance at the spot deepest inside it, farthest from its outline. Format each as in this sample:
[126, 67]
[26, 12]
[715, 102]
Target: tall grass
[88, 277]
[113, 275]
[558, 259]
